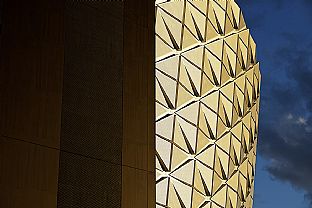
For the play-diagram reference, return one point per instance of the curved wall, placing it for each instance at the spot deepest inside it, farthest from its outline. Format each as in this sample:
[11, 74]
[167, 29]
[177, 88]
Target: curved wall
[207, 105]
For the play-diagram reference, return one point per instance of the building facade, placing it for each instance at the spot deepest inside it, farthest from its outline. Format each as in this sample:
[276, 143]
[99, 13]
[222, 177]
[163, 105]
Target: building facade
[207, 105]
[77, 104]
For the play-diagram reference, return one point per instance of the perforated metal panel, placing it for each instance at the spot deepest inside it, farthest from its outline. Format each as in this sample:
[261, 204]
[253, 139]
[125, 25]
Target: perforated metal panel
[92, 86]
[91, 135]
[88, 183]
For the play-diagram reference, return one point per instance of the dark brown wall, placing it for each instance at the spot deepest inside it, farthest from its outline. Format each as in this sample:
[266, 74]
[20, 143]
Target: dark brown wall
[31, 66]
[138, 171]
[77, 104]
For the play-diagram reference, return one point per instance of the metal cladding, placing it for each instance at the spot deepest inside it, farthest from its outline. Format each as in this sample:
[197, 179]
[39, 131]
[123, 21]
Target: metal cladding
[207, 105]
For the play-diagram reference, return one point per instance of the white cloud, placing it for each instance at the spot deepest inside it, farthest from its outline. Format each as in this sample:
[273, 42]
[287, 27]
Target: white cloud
[302, 121]
[290, 116]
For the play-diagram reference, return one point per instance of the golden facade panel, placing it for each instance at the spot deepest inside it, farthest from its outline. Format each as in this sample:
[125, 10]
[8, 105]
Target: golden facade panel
[207, 105]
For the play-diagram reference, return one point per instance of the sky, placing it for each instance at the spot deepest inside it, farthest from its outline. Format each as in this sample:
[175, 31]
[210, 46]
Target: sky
[282, 30]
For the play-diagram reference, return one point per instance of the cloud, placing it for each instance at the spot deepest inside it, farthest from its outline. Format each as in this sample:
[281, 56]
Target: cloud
[285, 132]
[302, 121]
[283, 36]
[290, 116]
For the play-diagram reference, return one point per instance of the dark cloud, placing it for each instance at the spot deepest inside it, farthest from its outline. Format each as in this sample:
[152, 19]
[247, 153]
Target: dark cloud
[283, 34]
[286, 114]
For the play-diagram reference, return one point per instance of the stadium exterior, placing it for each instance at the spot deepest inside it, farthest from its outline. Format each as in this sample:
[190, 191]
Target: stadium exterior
[207, 105]
[89, 94]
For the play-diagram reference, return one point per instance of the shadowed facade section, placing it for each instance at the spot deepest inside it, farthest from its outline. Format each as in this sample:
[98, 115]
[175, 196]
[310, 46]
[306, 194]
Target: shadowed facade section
[77, 104]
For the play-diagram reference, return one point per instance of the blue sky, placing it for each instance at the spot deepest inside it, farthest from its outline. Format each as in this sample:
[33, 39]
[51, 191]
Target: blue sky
[282, 30]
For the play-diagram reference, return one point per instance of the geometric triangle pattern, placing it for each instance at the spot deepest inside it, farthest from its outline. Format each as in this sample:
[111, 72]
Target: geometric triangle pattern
[207, 105]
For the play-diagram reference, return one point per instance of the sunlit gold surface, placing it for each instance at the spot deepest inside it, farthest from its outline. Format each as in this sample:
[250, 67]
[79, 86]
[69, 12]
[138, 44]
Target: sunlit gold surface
[207, 105]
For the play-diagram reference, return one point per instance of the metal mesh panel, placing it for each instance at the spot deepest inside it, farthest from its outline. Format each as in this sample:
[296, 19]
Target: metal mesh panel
[88, 183]
[91, 135]
[92, 88]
